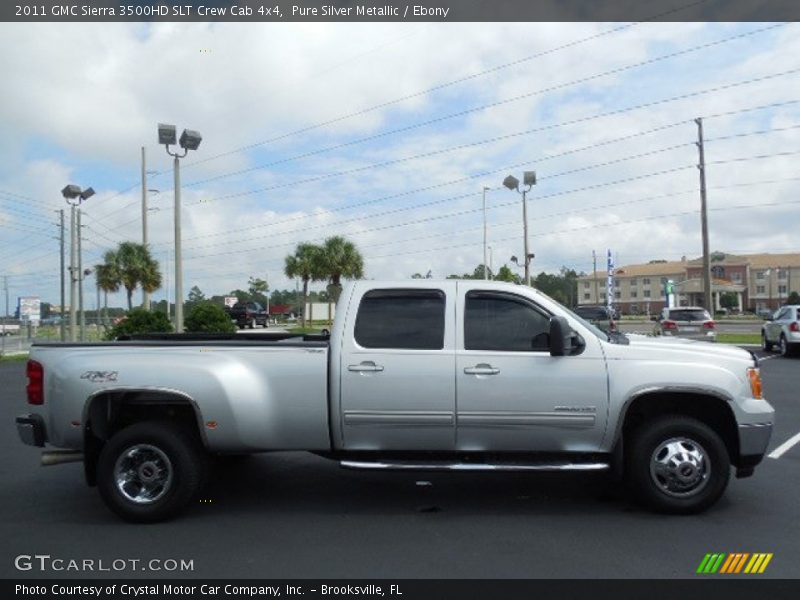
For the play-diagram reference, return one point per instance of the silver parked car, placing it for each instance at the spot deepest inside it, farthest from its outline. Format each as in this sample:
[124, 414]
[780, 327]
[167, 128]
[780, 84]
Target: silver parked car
[782, 329]
[691, 322]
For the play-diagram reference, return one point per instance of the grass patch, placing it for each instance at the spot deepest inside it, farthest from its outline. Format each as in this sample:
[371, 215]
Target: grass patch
[14, 357]
[749, 339]
[303, 330]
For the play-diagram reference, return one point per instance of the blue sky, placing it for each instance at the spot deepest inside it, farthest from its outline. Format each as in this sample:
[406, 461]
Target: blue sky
[86, 97]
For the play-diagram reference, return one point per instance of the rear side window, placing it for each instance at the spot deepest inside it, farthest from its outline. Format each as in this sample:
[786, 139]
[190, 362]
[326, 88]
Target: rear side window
[504, 323]
[406, 319]
[689, 315]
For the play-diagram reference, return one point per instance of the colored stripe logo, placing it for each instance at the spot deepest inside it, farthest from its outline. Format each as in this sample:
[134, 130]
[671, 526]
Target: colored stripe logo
[737, 562]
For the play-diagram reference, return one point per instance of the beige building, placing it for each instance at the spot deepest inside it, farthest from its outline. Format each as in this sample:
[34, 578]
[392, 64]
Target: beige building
[760, 282]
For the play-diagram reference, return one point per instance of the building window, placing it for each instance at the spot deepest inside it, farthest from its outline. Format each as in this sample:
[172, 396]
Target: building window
[736, 277]
[587, 296]
[718, 272]
[761, 289]
[634, 293]
[633, 282]
[647, 293]
[782, 274]
[586, 285]
[616, 283]
[603, 297]
[646, 281]
[782, 289]
[759, 274]
[617, 295]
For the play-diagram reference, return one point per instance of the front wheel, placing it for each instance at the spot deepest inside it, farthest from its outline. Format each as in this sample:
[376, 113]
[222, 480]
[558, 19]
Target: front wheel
[150, 471]
[677, 465]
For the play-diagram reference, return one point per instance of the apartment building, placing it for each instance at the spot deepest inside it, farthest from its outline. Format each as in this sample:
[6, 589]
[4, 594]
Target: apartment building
[760, 282]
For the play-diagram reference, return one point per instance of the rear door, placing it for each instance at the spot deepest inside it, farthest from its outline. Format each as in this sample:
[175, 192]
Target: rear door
[397, 363]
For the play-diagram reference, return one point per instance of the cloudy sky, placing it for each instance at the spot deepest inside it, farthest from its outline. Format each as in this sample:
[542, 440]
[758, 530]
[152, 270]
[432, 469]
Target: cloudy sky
[387, 133]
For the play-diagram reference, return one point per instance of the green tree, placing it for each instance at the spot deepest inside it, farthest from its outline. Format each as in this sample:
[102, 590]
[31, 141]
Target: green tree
[131, 266]
[140, 320]
[108, 279]
[340, 259]
[794, 298]
[505, 273]
[207, 317]
[258, 289]
[195, 297]
[306, 264]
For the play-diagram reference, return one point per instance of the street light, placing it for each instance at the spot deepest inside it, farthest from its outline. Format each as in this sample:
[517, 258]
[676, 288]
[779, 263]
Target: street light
[75, 196]
[189, 140]
[512, 183]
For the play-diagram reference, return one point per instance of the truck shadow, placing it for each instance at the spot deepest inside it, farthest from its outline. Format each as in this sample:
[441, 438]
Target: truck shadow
[301, 482]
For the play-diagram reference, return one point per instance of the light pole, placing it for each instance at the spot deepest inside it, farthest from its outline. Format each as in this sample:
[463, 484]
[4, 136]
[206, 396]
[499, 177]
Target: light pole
[485, 267]
[74, 196]
[190, 140]
[491, 270]
[512, 183]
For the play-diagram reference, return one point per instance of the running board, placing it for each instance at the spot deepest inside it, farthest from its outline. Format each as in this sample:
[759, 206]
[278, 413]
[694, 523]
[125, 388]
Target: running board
[439, 466]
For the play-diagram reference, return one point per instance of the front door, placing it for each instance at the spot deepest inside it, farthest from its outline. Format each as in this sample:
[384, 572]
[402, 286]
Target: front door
[511, 394]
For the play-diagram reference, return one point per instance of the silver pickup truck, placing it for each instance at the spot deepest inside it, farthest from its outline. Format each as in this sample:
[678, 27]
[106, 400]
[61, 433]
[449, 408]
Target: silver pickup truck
[422, 375]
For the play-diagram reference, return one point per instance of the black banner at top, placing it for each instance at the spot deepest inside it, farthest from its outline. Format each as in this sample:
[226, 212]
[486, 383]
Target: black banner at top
[275, 11]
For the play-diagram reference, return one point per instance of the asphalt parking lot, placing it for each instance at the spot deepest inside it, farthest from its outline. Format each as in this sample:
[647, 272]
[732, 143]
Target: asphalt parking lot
[300, 516]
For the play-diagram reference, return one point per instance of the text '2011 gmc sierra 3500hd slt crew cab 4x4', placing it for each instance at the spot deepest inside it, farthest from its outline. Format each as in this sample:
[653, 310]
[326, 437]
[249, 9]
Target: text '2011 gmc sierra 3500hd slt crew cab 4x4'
[422, 375]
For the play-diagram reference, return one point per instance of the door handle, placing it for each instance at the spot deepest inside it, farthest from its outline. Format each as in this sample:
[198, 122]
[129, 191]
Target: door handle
[481, 370]
[365, 367]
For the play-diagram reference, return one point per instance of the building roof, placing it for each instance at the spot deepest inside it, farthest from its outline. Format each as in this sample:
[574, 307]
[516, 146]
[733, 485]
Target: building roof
[774, 260]
[645, 270]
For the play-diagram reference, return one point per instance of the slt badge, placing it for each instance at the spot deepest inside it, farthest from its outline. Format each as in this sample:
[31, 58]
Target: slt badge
[100, 376]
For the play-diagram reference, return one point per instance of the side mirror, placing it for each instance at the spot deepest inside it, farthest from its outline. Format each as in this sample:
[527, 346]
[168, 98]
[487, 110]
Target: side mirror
[561, 336]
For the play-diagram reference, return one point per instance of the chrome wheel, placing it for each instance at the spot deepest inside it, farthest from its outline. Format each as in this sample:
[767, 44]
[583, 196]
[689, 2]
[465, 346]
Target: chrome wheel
[680, 467]
[143, 474]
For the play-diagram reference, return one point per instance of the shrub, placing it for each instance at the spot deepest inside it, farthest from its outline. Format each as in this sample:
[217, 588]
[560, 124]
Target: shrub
[140, 321]
[209, 318]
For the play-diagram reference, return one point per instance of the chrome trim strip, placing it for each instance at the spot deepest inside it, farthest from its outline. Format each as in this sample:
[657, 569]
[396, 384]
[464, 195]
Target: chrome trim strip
[525, 419]
[397, 418]
[365, 465]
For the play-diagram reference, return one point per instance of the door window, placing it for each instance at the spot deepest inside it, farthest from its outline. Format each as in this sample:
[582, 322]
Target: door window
[405, 319]
[504, 323]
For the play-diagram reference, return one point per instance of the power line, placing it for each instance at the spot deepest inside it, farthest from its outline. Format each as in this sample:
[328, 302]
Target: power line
[495, 104]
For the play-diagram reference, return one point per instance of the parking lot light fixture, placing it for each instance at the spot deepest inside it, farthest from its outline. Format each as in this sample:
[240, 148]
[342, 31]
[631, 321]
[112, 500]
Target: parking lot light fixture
[512, 183]
[190, 140]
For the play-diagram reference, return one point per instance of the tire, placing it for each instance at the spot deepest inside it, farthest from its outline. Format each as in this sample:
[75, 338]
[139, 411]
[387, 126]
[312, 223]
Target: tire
[699, 471]
[161, 485]
[253, 323]
[765, 344]
[783, 346]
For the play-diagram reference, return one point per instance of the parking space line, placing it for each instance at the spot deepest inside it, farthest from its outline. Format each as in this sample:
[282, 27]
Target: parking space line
[784, 447]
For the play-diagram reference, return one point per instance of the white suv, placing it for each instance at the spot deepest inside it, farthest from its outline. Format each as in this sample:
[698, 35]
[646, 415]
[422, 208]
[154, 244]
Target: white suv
[782, 329]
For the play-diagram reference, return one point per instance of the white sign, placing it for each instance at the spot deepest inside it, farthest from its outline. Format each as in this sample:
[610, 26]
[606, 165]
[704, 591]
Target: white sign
[30, 308]
[230, 301]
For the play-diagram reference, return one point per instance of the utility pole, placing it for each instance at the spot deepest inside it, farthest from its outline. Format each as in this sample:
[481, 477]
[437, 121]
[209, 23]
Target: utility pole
[62, 323]
[594, 276]
[145, 295]
[73, 281]
[81, 314]
[485, 267]
[709, 304]
[525, 233]
[5, 315]
[166, 271]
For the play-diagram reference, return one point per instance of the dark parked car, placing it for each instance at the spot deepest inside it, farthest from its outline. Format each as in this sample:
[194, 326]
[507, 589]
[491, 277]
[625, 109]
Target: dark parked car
[249, 314]
[600, 316]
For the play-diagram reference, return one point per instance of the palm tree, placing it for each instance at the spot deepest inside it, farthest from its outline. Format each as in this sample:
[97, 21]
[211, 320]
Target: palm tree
[130, 266]
[107, 278]
[340, 258]
[304, 263]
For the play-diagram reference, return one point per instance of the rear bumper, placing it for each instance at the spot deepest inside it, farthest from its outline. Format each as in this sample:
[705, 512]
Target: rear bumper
[31, 431]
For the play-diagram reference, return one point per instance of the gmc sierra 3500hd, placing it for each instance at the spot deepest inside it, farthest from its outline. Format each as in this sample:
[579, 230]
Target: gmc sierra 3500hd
[422, 375]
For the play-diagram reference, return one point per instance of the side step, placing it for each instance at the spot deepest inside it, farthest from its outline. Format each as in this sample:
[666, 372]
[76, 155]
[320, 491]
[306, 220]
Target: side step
[451, 466]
